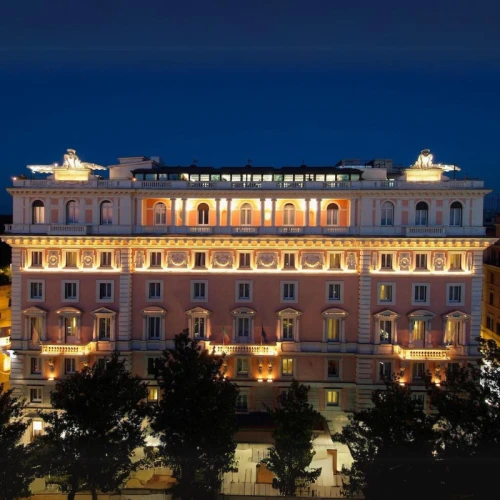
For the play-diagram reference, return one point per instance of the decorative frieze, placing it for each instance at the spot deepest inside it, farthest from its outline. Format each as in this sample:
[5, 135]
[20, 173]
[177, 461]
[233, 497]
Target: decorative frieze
[222, 260]
[177, 260]
[311, 260]
[53, 259]
[439, 261]
[88, 259]
[404, 261]
[267, 260]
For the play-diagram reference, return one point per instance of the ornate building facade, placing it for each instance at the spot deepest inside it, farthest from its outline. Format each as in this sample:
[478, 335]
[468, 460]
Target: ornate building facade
[335, 276]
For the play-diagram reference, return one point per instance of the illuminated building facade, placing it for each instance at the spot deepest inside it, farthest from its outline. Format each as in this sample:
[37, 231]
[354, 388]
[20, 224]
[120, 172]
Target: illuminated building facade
[337, 276]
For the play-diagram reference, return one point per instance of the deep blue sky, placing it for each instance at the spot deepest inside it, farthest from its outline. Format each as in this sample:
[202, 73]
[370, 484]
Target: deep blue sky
[275, 81]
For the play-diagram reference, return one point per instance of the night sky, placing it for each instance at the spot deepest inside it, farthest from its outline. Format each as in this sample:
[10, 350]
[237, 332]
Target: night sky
[279, 82]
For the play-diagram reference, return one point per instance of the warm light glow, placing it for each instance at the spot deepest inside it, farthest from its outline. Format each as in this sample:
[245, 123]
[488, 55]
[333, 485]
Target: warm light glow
[37, 425]
[6, 364]
[267, 215]
[74, 350]
[260, 380]
[269, 379]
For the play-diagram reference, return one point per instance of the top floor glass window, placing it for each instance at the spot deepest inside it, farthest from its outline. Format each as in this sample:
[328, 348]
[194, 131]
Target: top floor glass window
[289, 215]
[456, 214]
[160, 214]
[72, 212]
[246, 214]
[332, 214]
[421, 214]
[387, 214]
[38, 212]
[203, 212]
[106, 212]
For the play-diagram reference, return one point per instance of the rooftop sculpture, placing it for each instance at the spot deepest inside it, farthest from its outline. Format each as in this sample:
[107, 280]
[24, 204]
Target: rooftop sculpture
[71, 162]
[426, 160]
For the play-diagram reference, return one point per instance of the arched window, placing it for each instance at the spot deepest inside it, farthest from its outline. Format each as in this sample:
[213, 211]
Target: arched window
[160, 214]
[332, 214]
[203, 212]
[387, 214]
[246, 214]
[421, 214]
[456, 214]
[289, 215]
[38, 212]
[72, 212]
[106, 212]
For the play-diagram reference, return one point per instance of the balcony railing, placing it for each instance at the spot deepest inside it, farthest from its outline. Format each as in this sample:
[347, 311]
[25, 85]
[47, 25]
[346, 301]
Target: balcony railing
[244, 349]
[421, 353]
[70, 229]
[68, 349]
[425, 231]
[242, 230]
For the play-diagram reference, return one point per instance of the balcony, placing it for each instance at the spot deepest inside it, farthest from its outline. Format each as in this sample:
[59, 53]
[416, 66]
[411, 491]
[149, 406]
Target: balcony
[421, 353]
[244, 349]
[68, 349]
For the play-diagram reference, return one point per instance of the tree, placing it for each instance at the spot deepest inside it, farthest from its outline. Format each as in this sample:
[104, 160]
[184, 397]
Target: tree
[467, 404]
[16, 473]
[195, 418]
[292, 452]
[89, 445]
[391, 445]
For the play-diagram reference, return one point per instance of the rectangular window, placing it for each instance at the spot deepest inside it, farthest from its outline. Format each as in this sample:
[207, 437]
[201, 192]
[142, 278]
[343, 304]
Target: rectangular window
[154, 290]
[489, 323]
[385, 292]
[200, 259]
[419, 399]
[455, 262]
[104, 325]
[36, 394]
[199, 290]
[36, 258]
[287, 367]
[105, 259]
[199, 327]
[152, 363]
[420, 293]
[418, 371]
[243, 290]
[455, 294]
[289, 291]
[452, 367]
[385, 370]
[334, 292]
[492, 299]
[244, 260]
[105, 290]
[243, 329]
[333, 329]
[242, 366]
[332, 397]
[70, 326]
[71, 259]
[287, 327]
[154, 327]
[155, 259]
[35, 328]
[36, 290]
[335, 261]
[70, 290]
[69, 365]
[386, 261]
[153, 394]
[37, 428]
[421, 262]
[419, 329]
[289, 261]
[36, 366]
[242, 402]
[385, 331]
[333, 369]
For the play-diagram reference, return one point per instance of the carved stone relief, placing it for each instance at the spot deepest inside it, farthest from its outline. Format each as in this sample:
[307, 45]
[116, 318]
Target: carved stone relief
[139, 259]
[439, 261]
[177, 260]
[351, 261]
[404, 261]
[53, 258]
[267, 260]
[312, 260]
[222, 260]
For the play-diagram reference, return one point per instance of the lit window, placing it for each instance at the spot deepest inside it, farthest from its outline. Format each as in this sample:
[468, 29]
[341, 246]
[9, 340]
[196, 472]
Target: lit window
[200, 259]
[244, 260]
[333, 329]
[199, 327]
[37, 428]
[289, 215]
[455, 262]
[385, 370]
[71, 259]
[335, 261]
[153, 393]
[419, 329]
[246, 214]
[203, 214]
[287, 367]
[289, 260]
[386, 261]
[287, 328]
[36, 366]
[386, 292]
[332, 397]
[104, 328]
[385, 326]
[36, 258]
[72, 212]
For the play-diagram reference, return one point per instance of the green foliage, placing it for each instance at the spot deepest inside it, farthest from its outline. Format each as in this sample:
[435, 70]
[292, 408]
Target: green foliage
[468, 425]
[391, 445]
[90, 443]
[195, 418]
[15, 471]
[292, 452]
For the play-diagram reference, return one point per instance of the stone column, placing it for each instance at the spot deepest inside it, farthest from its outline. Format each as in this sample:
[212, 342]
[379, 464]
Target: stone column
[172, 212]
[184, 211]
[217, 212]
[229, 202]
[318, 213]
[273, 213]
[306, 219]
[262, 212]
